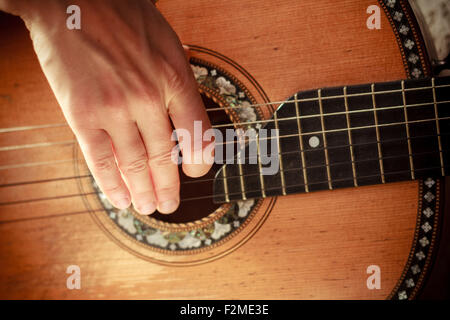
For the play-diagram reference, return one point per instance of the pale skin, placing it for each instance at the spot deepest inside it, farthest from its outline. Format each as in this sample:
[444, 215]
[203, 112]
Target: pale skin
[119, 81]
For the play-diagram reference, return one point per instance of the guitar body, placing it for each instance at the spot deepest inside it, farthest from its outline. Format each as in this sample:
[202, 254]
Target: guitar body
[316, 245]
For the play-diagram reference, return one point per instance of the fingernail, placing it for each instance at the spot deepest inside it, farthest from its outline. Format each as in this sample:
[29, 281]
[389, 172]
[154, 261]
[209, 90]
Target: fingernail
[168, 206]
[148, 208]
[123, 203]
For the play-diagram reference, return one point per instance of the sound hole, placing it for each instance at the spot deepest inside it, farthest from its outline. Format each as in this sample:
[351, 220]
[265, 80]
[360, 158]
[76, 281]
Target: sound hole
[200, 188]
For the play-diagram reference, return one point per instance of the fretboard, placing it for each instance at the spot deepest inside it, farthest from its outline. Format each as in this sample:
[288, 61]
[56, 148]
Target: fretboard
[347, 137]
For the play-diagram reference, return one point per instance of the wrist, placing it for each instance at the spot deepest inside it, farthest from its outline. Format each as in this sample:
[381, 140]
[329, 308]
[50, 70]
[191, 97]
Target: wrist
[16, 7]
[28, 10]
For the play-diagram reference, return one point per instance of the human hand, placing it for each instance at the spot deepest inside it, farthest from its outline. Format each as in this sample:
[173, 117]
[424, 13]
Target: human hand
[118, 81]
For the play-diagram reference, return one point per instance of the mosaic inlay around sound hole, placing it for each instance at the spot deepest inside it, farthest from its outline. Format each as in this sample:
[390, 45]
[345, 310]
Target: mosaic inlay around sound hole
[198, 223]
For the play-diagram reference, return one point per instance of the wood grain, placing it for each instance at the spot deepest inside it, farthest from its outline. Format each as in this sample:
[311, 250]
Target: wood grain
[312, 246]
[318, 248]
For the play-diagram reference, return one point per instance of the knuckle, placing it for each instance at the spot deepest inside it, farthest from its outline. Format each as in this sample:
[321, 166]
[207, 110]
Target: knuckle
[176, 78]
[143, 88]
[150, 93]
[135, 166]
[83, 117]
[91, 110]
[161, 159]
[115, 114]
[104, 164]
[97, 117]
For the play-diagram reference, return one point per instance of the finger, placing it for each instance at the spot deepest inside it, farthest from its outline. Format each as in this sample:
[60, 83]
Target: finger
[133, 163]
[187, 112]
[98, 152]
[156, 133]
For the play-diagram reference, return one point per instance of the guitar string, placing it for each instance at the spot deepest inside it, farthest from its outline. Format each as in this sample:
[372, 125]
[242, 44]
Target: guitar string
[32, 127]
[45, 144]
[264, 121]
[47, 198]
[248, 158]
[350, 95]
[15, 184]
[341, 130]
[309, 133]
[55, 215]
[348, 145]
[338, 130]
[22, 183]
[339, 163]
[302, 117]
[212, 196]
[37, 164]
[37, 145]
[71, 142]
[313, 183]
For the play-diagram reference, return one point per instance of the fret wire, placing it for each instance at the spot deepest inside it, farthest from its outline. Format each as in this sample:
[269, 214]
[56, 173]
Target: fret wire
[411, 163]
[32, 164]
[355, 181]
[325, 115]
[323, 98]
[208, 196]
[322, 165]
[327, 161]
[225, 183]
[300, 184]
[302, 150]
[342, 179]
[241, 180]
[344, 129]
[289, 152]
[36, 127]
[438, 130]
[283, 185]
[261, 177]
[187, 182]
[380, 156]
[5, 130]
[359, 144]
[354, 128]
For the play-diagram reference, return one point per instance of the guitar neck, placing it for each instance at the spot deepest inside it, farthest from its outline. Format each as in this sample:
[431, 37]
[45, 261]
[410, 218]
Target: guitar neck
[347, 137]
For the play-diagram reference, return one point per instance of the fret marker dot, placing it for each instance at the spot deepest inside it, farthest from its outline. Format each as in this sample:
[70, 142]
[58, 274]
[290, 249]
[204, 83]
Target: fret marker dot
[314, 142]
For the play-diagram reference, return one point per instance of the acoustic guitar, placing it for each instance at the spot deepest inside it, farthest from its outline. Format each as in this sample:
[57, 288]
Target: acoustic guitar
[357, 210]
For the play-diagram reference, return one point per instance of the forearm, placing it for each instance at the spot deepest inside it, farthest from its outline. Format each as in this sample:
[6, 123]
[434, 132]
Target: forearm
[32, 10]
[125, 63]
[16, 7]
[26, 7]
[48, 11]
